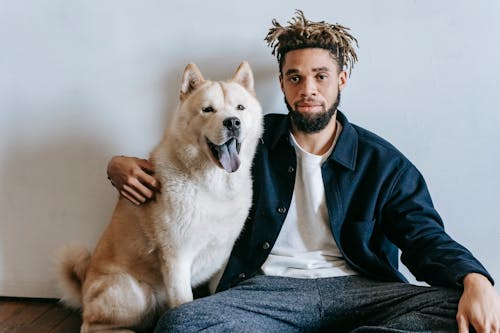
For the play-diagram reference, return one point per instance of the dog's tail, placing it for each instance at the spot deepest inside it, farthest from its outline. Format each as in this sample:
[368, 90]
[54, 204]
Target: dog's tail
[71, 263]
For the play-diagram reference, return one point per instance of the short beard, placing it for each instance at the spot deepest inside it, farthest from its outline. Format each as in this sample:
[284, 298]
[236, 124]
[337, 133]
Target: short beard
[312, 123]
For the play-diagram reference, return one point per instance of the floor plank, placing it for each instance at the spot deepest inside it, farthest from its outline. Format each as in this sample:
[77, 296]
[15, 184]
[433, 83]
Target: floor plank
[52, 318]
[70, 324]
[24, 315]
[28, 314]
[9, 309]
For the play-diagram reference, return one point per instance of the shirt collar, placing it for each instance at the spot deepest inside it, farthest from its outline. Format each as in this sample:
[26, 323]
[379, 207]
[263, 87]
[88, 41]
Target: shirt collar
[345, 150]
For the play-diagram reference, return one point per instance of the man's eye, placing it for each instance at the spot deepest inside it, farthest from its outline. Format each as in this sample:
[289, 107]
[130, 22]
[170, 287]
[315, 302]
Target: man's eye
[322, 76]
[294, 79]
[208, 109]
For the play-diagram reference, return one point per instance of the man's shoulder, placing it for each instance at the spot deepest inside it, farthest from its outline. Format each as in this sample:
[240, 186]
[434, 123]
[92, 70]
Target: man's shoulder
[373, 140]
[367, 142]
[373, 145]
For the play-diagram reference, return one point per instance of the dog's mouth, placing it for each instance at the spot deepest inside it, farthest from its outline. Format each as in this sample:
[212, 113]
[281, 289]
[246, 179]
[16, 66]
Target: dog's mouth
[227, 154]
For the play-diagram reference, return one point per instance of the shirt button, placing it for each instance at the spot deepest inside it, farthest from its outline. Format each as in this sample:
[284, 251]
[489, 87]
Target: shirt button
[242, 275]
[281, 210]
[291, 169]
[266, 245]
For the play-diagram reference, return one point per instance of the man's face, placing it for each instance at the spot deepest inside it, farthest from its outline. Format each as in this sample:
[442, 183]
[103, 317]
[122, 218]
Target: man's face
[311, 82]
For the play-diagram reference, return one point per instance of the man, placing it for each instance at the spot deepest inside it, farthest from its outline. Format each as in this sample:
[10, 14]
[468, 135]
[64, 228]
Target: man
[332, 203]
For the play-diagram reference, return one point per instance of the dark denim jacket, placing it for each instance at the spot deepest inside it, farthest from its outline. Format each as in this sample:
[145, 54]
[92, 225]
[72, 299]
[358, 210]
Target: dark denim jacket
[377, 202]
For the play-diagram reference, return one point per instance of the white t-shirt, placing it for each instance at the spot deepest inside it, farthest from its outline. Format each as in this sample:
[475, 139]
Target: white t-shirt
[305, 247]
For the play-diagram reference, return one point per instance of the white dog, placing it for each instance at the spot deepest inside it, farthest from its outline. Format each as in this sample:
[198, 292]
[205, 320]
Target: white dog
[150, 256]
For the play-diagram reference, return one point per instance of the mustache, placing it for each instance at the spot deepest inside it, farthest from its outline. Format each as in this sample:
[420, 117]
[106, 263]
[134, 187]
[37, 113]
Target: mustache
[308, 101]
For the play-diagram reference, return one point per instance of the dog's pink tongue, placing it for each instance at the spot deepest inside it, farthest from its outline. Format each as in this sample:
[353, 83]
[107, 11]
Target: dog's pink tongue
[228, 156]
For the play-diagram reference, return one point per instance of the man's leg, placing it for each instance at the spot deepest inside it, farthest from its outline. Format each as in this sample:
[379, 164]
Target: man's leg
[356, 303]
[260, 304]
[342, 304]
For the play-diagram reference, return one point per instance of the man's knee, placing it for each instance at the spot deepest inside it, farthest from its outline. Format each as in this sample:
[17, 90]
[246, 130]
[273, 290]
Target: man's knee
[210, 316]
[179, 319]
[200, 315]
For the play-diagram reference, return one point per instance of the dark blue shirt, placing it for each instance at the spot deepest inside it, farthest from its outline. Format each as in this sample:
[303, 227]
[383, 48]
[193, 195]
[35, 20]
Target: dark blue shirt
[377, 202]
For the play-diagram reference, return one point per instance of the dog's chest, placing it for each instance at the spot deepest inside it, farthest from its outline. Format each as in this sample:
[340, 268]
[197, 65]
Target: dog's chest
[222, 206]
[211, 201]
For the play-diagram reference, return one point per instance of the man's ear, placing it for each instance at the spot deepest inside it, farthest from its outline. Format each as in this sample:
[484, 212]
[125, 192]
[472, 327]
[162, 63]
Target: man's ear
[191, 79]
[342, 79]
[281, 82]
[244, 76]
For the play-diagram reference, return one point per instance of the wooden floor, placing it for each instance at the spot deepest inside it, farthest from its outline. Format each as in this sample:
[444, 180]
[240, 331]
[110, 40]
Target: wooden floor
[28, 315]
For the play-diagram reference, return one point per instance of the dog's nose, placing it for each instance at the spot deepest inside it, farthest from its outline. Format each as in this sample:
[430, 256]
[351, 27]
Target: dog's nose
[232, 123]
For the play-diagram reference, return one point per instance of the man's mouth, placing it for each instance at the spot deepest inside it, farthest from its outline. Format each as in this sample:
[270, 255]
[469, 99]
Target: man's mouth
[227, 154]
[308, 106]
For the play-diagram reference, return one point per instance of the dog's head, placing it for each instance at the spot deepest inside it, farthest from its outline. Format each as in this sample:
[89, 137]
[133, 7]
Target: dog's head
[222, 118]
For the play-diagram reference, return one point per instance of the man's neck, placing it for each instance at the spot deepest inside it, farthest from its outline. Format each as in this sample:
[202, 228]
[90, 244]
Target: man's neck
[316, 143]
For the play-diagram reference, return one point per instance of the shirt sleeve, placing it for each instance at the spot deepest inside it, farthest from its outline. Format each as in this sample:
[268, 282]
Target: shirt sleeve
[411, 222]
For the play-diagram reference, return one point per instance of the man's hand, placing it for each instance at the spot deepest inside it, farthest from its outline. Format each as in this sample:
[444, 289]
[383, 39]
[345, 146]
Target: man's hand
[133, 179]
[479, 305]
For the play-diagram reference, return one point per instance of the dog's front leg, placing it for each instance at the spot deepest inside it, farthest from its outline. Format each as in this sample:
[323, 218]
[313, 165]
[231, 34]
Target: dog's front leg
[176, 274]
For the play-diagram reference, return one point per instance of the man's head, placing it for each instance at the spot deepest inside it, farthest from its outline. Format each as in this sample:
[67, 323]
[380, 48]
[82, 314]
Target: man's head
[302, 33]
[312, 57]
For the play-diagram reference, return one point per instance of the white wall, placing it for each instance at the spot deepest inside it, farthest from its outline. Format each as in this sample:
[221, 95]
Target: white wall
[83, 80]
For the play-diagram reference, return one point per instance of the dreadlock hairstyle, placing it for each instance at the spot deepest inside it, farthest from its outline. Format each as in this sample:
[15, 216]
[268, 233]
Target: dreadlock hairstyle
[302, 33]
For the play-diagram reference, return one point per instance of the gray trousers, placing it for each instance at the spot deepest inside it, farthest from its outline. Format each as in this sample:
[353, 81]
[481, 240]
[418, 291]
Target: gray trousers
[341, 304]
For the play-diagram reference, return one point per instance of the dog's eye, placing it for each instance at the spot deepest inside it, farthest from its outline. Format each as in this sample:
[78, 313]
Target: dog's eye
[240, 107]
[208, 109]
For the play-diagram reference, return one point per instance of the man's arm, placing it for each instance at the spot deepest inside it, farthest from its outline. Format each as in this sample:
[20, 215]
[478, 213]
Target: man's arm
[479, 305]
[133, 178]
[433, 256]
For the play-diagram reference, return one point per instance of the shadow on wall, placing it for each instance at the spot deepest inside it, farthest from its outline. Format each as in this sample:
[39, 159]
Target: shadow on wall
[53, 193]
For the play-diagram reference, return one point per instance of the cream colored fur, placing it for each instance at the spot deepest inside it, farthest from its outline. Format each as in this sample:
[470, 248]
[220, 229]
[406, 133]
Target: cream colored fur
[150, 256]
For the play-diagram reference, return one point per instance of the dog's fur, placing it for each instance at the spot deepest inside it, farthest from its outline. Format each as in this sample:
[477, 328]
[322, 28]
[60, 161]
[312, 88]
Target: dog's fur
[150, 256]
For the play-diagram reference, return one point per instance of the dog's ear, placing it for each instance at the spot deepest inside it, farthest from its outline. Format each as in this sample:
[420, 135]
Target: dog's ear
[191, 79]
[244, 77]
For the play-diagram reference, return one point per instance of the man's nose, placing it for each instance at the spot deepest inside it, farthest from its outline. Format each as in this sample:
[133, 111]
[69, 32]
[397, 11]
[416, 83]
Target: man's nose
[308, 88]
